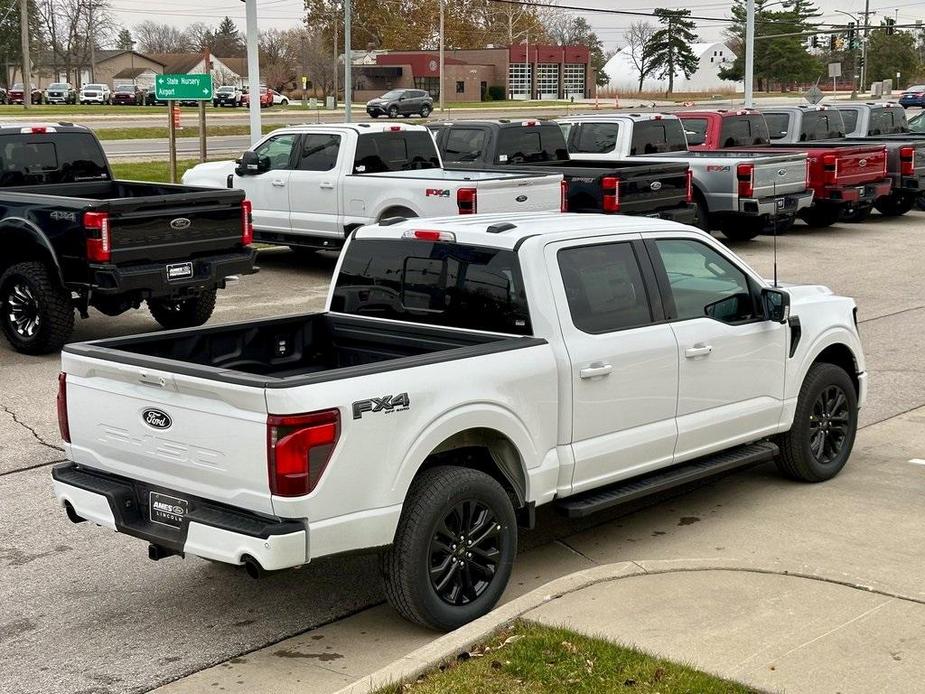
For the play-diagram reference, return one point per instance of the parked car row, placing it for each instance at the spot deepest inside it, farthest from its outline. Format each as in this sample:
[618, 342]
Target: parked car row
[610, 353]
[130, 94]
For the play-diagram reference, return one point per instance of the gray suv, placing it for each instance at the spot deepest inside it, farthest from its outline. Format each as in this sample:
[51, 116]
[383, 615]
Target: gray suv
[404, 102]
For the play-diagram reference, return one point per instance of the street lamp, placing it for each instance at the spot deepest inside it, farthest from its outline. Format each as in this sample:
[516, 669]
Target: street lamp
[854, 51]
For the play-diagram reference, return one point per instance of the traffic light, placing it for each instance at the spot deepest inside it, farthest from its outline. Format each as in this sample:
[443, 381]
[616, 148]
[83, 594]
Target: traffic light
[832, 42]
[851, 34]
[815, 41]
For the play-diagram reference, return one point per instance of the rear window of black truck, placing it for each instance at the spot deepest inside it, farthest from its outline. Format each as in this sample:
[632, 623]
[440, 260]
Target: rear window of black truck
[437, 283]
[40, 158]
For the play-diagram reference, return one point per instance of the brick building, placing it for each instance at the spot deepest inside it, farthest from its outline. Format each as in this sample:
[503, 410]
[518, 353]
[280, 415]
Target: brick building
[550, 72]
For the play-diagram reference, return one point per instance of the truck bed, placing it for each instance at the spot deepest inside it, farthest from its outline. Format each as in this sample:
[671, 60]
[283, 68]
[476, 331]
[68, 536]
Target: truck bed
[297, 350]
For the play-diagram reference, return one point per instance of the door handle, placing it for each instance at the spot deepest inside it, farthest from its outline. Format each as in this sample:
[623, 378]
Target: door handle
[278, 182]
[698, 350]
[596, 369]
[327, 186]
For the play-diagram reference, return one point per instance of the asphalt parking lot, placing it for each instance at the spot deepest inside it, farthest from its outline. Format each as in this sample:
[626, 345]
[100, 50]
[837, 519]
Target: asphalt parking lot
[86, 611]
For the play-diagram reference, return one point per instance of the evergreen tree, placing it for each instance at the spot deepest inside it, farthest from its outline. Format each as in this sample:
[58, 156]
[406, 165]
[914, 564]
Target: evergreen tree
[227, 41]
[669, 49]
[124, 40]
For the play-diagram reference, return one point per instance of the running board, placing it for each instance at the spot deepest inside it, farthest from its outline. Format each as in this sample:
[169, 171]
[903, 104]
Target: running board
[586, 503]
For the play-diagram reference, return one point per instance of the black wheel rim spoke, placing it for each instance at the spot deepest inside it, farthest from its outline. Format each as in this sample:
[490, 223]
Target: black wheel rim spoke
[22, 311]
[829, 425]
[465, 550]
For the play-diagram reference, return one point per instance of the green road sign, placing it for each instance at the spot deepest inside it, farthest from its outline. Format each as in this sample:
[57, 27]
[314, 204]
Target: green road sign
[183, 87]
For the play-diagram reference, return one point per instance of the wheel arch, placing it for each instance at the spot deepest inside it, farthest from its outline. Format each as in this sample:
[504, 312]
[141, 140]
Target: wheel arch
[24, 241]
[841, 355]
[397, 211]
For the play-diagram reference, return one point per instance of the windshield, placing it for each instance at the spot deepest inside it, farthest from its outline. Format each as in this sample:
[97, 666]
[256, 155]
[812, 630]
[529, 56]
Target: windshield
[58, 85]
[125, 87]
[444, 284]
[18, 86]
[226, 90]
[95, 86]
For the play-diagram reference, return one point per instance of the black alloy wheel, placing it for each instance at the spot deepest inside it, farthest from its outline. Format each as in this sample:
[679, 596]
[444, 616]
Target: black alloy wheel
[23, 311]
[464, 552]
[829, 424]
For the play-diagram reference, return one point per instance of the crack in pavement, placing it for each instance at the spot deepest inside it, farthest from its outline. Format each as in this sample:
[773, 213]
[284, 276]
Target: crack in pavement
[32, 431]
[581, 554]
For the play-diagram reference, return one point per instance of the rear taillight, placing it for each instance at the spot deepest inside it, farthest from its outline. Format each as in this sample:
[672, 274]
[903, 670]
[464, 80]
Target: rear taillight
[807, 177]
[745, 175]
[467, 200]
[247, 222]
[298, 450]
[830, 168]
[563, 196]
[610, 185]
[63, 425]
[99, 248]
[907, 161]
[690, 186]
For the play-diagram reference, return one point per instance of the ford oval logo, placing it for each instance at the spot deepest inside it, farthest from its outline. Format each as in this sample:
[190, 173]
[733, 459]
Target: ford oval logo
[180, 223]
[862, 163]
[521, 198]
[655, 185]
[156, 419]
[782, 172]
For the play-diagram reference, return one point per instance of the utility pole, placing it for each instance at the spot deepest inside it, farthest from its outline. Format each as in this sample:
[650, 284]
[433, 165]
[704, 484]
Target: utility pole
[864, 47]
[336, 67]
[26, 58]
[750, 53]
[253, 70]
[442, 109]
[348, 64]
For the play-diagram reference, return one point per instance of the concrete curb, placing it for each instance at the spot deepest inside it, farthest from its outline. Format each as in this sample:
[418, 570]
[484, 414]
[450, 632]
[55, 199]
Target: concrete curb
[449, 646]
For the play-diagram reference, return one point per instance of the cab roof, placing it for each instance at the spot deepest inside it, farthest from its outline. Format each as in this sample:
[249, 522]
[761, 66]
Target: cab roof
[505, 230]
[355, 127]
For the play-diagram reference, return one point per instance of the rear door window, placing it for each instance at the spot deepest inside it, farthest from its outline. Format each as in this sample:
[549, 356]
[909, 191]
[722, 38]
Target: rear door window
[464, 144]
[593, 138]
[604, 287]
[821, 125]
[850, 118]
[400, 151]
[318, 152]
[658, 136]
[778, 125]
[445, 284]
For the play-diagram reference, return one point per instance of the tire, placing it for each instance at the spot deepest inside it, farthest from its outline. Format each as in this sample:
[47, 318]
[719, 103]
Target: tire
[896, 205]
[406, 115]
[820, 216]
[836, 424]
[426, 111]
[740, 230]
[447, 497]
[188, 313]
[373, 115]
[29, 292]
[393, 111]
[856, 214]
[701, 213]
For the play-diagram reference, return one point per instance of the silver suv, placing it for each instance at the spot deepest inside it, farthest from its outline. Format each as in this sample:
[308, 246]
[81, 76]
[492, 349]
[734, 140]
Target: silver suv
[405, 102]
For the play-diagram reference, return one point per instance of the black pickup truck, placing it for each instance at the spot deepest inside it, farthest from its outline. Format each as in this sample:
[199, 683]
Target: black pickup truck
[74, 238]
[622, 186]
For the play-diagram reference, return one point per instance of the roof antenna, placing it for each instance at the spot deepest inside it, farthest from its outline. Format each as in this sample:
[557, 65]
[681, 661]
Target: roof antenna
[774, 232]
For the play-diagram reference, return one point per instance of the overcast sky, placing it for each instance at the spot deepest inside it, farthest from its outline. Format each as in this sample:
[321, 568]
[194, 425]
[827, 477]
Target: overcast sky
[287, 13]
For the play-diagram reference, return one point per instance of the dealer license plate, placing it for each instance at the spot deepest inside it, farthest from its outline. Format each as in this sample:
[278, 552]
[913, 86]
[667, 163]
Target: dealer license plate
[180, 271]
[167, 510]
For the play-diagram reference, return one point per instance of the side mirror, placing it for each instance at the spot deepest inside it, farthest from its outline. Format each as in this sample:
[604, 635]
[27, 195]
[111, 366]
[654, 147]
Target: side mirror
[251, 164]
[776, 305]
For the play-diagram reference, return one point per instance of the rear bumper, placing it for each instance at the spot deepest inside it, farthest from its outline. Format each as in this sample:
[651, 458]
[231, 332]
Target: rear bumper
[209, 530]
[782, 204]
[151, 280]
[912, 184]
[682, 215]
[863, 194]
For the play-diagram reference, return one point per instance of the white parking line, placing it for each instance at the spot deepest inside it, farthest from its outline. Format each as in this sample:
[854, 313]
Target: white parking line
[917, 461]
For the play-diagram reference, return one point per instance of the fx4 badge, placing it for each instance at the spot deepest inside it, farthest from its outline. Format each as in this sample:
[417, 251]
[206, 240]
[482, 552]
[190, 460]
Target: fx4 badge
[387, 404]
[437, 193]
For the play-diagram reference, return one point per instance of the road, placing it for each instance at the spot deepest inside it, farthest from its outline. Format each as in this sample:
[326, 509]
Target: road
[187, 148]
[85, 610]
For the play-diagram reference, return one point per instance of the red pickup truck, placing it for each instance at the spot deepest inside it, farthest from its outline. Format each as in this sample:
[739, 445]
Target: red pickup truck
[844, 177]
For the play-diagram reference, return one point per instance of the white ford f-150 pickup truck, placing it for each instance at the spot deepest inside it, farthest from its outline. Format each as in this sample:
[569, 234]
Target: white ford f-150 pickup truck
[465, 371]
[312, 185]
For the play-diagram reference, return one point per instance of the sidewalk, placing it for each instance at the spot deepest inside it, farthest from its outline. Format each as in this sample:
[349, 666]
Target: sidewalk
[803, 588]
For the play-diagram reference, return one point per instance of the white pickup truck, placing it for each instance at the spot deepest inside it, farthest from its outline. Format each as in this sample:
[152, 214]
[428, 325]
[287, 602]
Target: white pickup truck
[465, 371]
[312, 185]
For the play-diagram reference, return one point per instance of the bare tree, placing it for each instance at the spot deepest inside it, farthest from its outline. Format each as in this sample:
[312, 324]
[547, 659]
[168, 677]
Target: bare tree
[198, 36]
[637, 38]
[157, 37]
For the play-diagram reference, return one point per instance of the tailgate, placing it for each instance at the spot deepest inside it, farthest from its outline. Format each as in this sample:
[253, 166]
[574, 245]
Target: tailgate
[856, 166]
[205, 438]
[162, 228]
[779, 176]
[654, 188]
[531, 194]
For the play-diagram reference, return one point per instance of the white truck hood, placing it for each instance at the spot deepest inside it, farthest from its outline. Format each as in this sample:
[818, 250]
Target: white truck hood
[212, 174]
